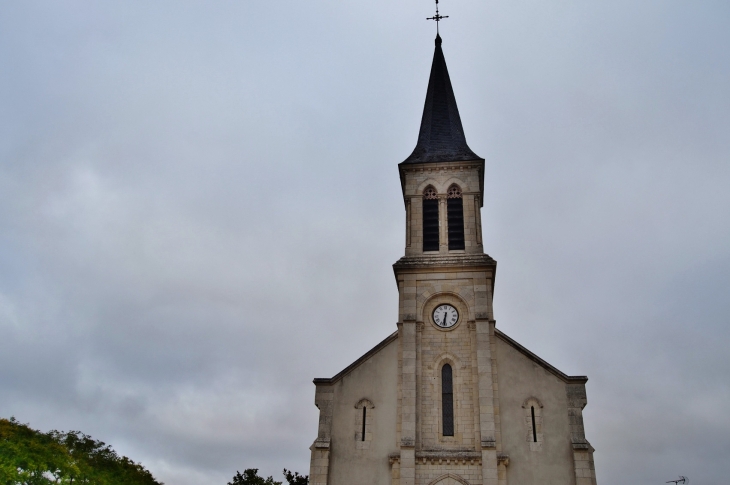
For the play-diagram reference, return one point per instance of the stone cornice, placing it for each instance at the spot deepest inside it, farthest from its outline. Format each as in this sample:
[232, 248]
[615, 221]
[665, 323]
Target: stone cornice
[444, 261]
[452, 166]
[443, 456]
[436, 167]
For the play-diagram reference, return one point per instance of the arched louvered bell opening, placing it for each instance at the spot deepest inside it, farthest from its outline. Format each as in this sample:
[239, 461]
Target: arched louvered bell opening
[455, 213]
[430, 219]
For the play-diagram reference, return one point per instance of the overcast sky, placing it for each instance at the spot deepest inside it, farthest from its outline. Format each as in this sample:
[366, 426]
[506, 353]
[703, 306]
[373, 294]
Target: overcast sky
[200, 207]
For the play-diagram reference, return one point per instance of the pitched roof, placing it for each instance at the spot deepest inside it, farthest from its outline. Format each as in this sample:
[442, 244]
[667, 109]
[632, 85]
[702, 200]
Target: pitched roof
[441, 138]
[533, 357]
[331, 380]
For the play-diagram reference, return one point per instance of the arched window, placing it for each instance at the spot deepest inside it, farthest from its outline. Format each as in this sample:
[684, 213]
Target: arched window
[430, 219]
[447, 400]
[364, 423]
[455, 212]
[533, 423]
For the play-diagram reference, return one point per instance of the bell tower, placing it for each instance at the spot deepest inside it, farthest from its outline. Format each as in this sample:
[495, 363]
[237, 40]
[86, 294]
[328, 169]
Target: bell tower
[448, 418]
[447, 398]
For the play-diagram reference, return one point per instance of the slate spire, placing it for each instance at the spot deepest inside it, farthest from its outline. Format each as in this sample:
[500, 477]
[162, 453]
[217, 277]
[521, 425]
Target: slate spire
[441, 138]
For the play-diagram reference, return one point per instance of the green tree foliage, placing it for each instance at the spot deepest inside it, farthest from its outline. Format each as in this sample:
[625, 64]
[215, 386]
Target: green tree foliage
[295, 478]
[30, 457]
[251, 477]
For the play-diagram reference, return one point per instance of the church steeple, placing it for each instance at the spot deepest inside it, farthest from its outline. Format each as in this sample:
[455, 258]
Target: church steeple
[441, 138]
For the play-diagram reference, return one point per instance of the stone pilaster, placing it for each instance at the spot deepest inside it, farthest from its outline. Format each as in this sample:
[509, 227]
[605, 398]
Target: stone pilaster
[585, 472]
[319, 462]
[478, 222]
[409, 229]
[407, 466]
[419, 381]
[486, 390]
[502, 462]
[408, 403]
[502, 459]
[486, 403]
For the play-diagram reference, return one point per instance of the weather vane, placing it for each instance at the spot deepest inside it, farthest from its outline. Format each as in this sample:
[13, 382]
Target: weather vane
[437, 17]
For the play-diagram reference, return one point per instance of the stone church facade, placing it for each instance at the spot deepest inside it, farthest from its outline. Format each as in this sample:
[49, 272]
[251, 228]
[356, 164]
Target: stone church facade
[448, 399]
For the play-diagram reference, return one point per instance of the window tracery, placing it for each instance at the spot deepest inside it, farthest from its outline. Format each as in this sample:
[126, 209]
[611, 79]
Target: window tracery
[454, 192]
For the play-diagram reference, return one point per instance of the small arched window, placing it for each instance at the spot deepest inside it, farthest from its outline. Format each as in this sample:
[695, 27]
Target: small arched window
[533, 423]
[447, 400]
[364, 424]
[430, 219]
[455, 212]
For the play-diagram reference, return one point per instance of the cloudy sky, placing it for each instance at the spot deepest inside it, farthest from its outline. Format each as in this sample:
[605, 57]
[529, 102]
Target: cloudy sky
[200, 206]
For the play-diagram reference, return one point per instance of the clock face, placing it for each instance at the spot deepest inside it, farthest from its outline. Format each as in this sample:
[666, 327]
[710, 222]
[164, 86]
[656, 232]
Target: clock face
[445, 316]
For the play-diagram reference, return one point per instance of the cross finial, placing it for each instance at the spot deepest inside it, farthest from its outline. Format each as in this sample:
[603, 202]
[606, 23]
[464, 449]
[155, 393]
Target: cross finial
[437, 17]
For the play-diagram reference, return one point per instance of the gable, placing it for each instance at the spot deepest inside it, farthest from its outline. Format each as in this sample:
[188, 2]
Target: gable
[370, 353]
[544, 364]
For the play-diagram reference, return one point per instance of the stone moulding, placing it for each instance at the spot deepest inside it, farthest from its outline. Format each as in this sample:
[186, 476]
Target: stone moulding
[489, 443]
[364, 402]
[322, 444]
[531, 398]
[583, 446]
[443, 167]
[460, 260]
[456, 166]
[456, 478]
[442, 457]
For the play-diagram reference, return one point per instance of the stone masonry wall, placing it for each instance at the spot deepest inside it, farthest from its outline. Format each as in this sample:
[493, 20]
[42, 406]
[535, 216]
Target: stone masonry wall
[464, 174]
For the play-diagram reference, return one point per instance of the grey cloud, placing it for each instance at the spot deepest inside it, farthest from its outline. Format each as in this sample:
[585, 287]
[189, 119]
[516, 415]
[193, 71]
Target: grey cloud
[200, 205]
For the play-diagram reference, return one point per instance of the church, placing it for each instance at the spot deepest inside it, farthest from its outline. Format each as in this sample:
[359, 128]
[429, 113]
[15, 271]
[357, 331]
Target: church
[448, 399]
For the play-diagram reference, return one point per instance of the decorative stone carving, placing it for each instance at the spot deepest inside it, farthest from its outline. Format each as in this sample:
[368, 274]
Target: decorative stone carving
[448, 479]
[449, 456]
